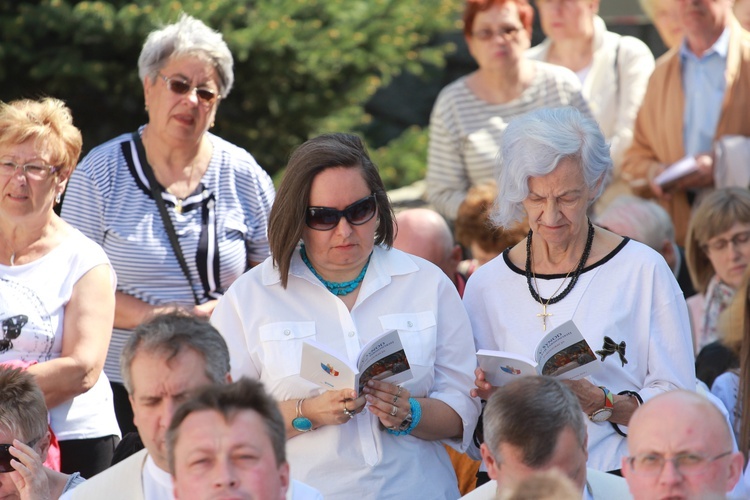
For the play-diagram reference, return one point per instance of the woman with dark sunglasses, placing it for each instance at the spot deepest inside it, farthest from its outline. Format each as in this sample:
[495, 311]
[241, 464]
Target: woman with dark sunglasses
[180, 212]
[334, 278]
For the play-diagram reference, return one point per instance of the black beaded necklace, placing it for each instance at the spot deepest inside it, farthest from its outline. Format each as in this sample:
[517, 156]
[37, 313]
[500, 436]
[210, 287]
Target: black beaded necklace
[573, 278]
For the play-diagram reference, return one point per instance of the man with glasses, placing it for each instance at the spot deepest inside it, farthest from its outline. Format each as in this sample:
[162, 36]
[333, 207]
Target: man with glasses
[680, 447]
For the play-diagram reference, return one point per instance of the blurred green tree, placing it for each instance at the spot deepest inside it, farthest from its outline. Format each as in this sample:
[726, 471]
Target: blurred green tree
[302, 67]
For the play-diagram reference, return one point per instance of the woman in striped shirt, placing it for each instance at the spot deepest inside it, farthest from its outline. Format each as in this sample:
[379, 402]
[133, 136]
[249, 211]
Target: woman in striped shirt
[212, 193]
[471, 113]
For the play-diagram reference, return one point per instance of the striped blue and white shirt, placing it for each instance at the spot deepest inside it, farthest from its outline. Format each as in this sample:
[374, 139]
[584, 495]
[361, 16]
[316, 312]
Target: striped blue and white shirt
[222, 226]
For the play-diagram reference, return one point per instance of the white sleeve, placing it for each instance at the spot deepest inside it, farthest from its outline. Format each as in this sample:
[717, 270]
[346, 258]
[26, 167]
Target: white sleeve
[228, 319]
[635, 65]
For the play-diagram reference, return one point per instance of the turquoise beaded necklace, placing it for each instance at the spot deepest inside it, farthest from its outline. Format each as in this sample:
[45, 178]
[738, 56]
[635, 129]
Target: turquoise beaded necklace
[335, 288]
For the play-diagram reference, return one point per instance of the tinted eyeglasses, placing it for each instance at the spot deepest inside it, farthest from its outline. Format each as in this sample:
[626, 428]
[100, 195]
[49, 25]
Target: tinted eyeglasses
[182, 87]
[356, 214]
[6, 457]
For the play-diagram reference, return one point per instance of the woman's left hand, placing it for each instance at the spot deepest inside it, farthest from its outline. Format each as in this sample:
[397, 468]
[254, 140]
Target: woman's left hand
[590, 396]
[388, 402]
[29, 475]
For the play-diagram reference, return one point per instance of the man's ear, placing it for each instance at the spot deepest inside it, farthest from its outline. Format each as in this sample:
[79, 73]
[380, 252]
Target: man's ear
[43, 446]
[492, 465]
[736, 466]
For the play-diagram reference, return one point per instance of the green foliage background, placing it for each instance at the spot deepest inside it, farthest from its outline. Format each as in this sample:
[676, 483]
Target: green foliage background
[302, 67]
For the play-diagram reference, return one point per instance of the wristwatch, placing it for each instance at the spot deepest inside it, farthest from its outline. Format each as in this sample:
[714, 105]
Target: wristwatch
[300, 422]
[604, 414]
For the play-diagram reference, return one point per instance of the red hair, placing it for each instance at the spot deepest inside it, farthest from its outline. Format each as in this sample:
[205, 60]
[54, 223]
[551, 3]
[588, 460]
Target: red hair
[474, 7]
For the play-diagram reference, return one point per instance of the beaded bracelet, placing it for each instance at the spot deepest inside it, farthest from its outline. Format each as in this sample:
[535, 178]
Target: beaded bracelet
[416, 415]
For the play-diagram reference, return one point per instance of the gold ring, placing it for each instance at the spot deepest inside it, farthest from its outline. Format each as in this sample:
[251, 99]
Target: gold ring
[394, 411]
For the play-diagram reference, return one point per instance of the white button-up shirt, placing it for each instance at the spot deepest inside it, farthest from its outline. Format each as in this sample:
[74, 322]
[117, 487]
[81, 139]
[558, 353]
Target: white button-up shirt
[265, 325]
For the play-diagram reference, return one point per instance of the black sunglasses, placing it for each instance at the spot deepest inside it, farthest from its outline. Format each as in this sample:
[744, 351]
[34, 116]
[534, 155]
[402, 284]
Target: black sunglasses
[181, 87]
[356, 214]
[6, 457]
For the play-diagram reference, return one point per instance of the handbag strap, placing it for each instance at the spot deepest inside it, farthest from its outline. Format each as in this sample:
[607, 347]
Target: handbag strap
[166, 219]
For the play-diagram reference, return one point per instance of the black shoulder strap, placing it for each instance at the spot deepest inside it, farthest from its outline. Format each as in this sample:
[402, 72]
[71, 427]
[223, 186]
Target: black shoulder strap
[166, 219]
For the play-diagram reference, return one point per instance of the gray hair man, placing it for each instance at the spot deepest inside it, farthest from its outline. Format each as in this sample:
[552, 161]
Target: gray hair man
[647, 222]
[697, 94]
[680, 447]
[534, 424]
[163, 362]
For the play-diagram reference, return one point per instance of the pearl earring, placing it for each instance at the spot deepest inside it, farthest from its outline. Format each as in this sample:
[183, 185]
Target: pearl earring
[58, 198]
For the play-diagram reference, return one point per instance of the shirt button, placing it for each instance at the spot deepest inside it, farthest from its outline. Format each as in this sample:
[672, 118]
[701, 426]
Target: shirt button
[287, 332]
[351, 334]
[409, 324]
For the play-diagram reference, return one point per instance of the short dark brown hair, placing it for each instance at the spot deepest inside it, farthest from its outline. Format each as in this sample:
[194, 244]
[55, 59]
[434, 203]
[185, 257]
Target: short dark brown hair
[228, 400]
[287, 218]
[474, 7]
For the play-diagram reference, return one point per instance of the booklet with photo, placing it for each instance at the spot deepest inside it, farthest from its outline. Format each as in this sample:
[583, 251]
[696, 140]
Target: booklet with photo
[676, 171]
[562, 353]
[383, 358]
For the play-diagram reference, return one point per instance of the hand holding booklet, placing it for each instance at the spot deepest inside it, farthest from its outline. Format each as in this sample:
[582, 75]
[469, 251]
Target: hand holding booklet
[676, 171]
[383, 358]
[562, 353]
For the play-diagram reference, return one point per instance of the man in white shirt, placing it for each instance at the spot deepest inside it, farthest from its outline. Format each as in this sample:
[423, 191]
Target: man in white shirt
[228, 441]
[680, 447]
[163, 362]
[535, 424]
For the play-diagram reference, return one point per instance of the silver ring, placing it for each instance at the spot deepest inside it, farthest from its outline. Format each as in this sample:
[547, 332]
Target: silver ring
[399, 391]
[395, 398]
[394, 411]
[349, 413]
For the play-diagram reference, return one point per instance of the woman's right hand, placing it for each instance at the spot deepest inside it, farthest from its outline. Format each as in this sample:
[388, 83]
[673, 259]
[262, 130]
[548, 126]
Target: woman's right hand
[328, 407]
[484, 389]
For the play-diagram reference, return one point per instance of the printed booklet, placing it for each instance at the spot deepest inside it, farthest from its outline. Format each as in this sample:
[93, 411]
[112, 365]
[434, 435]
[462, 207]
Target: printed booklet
[383, 358]
[562, 353]
[676, 171]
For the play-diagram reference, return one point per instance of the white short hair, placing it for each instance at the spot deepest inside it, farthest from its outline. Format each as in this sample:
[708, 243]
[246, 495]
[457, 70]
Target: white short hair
[534, 144]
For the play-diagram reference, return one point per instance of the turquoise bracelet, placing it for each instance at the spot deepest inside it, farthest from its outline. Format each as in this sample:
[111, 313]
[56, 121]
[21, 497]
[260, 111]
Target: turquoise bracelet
[416, 416]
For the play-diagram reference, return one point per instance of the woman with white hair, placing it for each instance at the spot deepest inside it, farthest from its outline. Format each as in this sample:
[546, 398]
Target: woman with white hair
[619, 293]
[180, 212]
